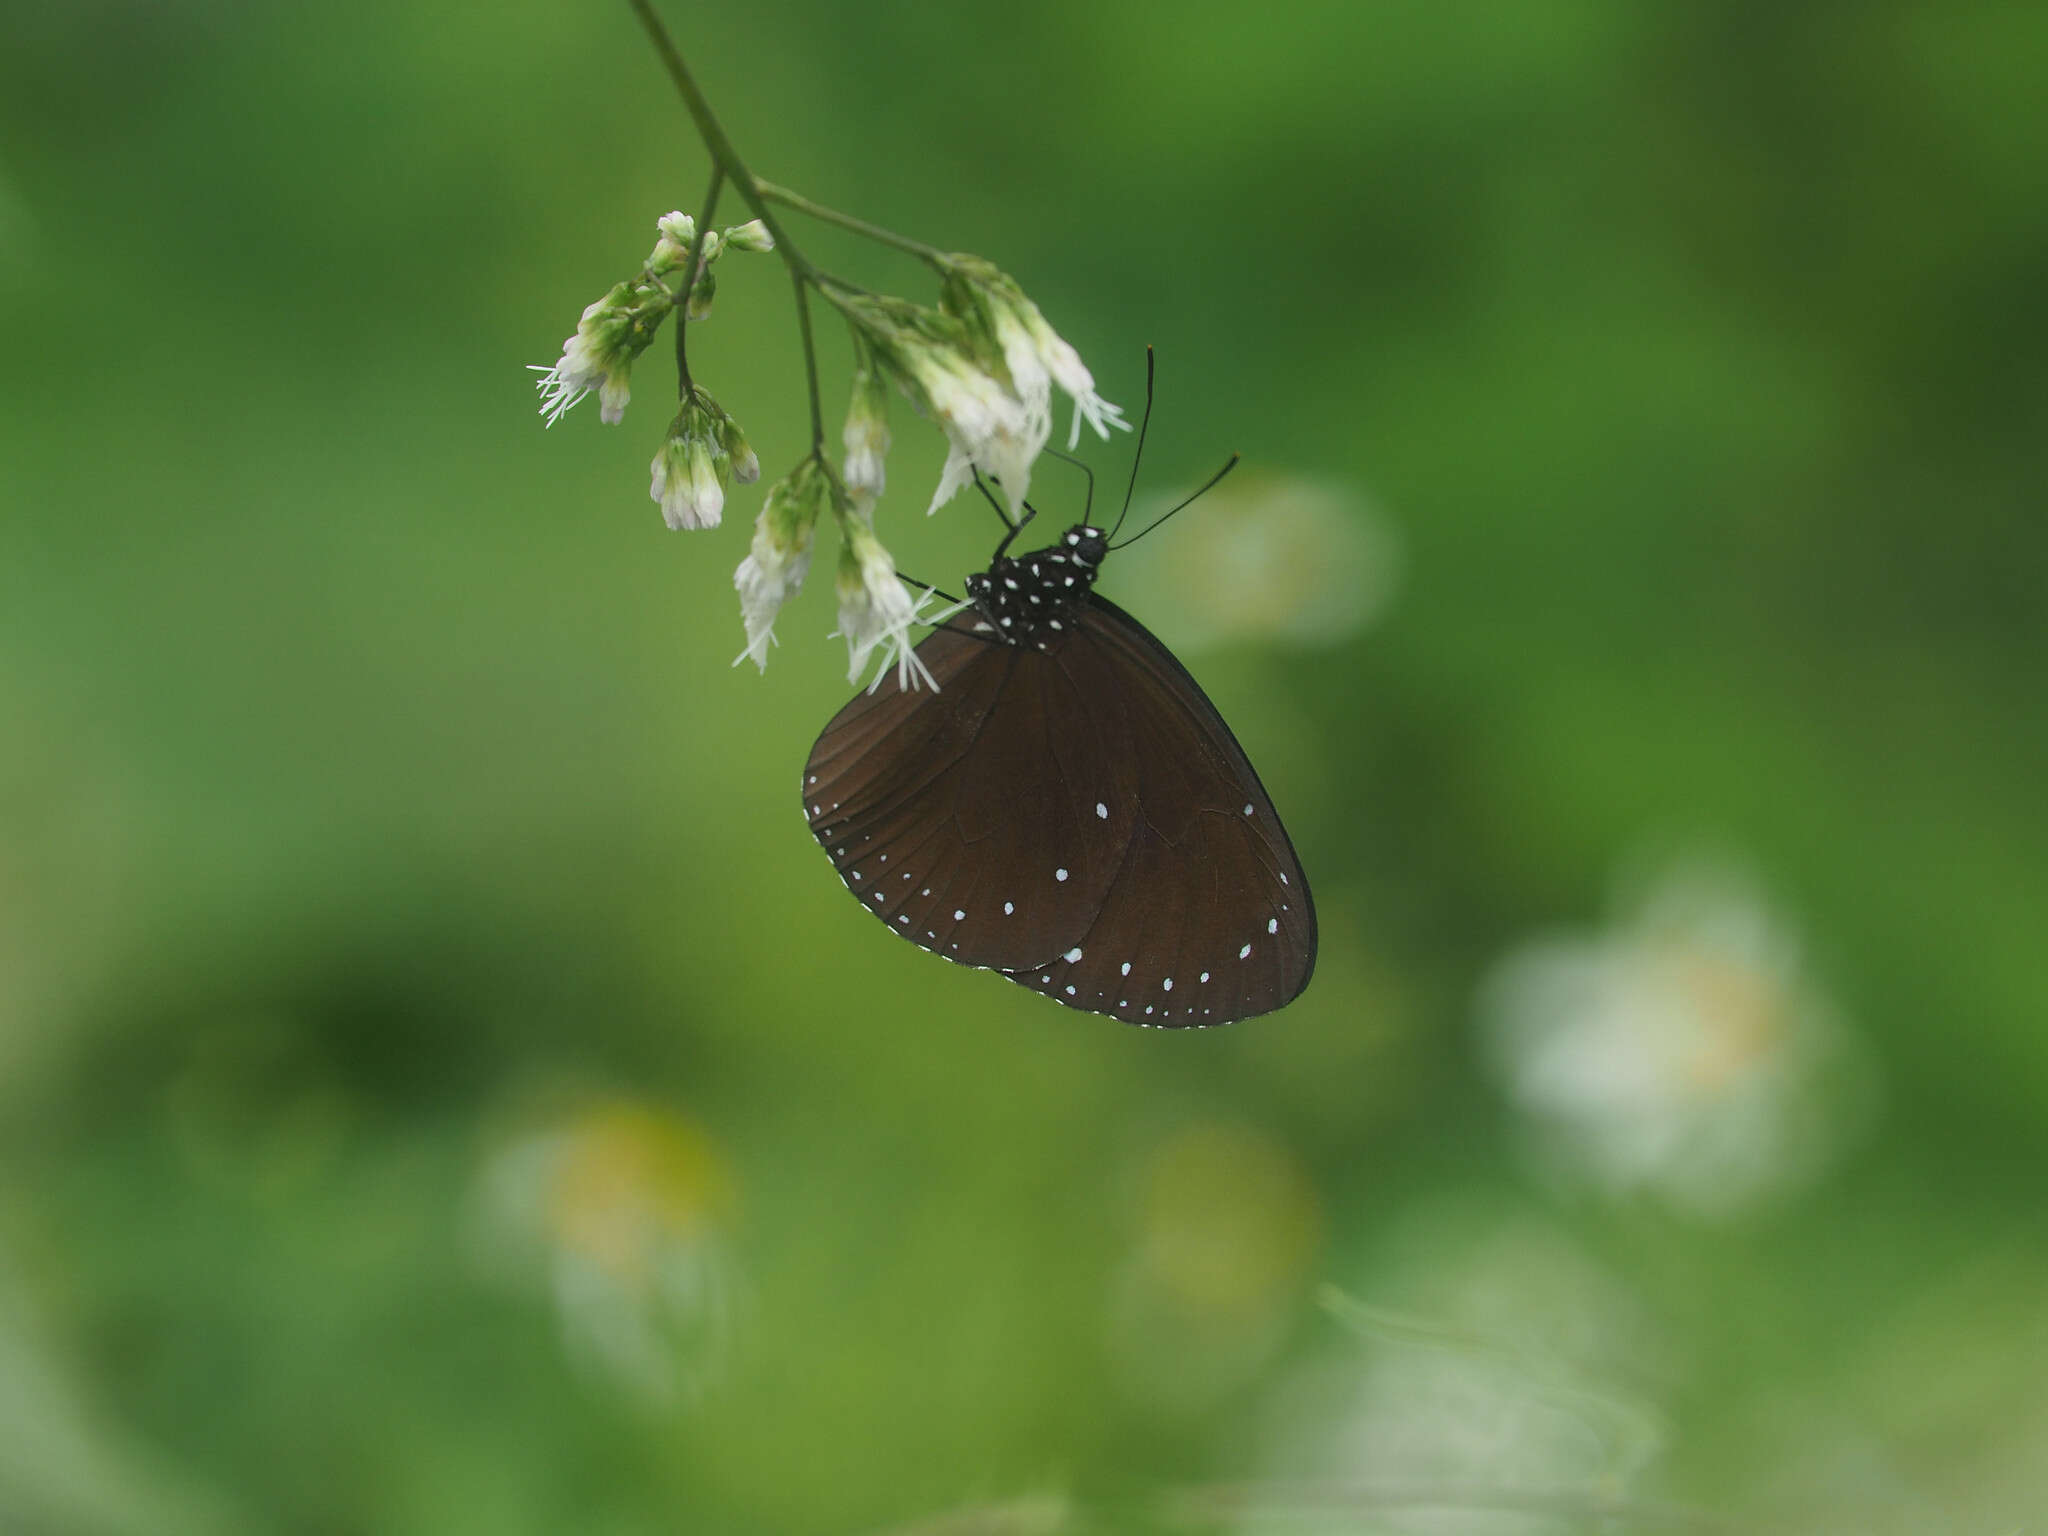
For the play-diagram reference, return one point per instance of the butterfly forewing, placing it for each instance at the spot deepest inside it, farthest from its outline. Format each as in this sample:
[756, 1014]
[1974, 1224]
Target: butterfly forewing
[985, 822]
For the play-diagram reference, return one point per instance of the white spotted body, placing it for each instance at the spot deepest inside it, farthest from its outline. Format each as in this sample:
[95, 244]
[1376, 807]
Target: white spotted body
[1029, 599]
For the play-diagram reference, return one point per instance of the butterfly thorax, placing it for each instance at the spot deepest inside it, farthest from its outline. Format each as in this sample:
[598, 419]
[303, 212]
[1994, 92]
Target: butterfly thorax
[1029, 599]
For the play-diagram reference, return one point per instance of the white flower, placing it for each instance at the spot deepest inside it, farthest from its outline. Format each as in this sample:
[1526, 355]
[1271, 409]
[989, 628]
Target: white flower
[867, 429]
[704, 449]
[765, 581]
[1683, 1052]
[780, 558]
[686, 484]
[935, 359]
[611, 333]
[1033, 352]
[987, 426]
[1033, 349]
[876, 612]
[672, 249]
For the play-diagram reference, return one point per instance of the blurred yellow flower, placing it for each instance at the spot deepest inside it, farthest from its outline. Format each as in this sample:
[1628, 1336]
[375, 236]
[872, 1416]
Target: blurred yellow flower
[624, 1207]
[1226, 1227]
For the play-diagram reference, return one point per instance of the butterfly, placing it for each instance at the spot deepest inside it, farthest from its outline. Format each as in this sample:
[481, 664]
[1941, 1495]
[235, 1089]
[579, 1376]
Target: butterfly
[1066, 808]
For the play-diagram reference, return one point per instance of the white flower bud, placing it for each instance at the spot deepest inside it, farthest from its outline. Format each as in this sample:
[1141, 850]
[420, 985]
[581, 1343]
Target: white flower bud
[867, 428]
[696, 462]
[751, 236]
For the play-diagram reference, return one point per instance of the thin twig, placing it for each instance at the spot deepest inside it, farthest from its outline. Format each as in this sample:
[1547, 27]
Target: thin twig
[691, 272]
[861, 227]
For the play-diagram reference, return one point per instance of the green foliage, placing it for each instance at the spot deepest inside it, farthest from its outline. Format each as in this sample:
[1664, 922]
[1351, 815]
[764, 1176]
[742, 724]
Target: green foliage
[411, 959]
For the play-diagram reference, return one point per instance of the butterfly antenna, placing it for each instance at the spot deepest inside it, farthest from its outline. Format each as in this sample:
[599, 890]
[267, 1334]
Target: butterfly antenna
[1088, 510]
[1139, 453]
[1207, 486]
[940, 593]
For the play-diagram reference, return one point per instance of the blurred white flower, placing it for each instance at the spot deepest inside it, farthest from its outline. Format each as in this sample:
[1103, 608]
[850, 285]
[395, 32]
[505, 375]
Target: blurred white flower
[780, 558]
[1492, 1415]
[1264, 557]
[624, 1207]
[1684, 1051]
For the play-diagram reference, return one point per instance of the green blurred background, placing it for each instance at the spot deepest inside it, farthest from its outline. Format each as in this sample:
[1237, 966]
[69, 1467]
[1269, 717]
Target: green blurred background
[442, 1088]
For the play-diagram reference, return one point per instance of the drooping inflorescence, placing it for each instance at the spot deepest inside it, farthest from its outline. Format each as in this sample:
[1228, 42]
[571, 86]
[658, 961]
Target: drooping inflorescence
[980, 363]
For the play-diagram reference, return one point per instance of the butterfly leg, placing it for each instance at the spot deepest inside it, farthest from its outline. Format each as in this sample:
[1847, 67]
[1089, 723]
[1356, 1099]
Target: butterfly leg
[1015, 528]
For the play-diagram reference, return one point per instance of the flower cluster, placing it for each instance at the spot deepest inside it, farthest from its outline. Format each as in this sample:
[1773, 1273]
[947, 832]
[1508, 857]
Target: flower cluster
[704, 452]
[981, 364]
[620, 326]
[612, 333]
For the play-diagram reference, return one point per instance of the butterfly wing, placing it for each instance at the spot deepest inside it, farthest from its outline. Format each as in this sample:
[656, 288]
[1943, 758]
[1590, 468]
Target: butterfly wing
[986, 821]
[1209, 916]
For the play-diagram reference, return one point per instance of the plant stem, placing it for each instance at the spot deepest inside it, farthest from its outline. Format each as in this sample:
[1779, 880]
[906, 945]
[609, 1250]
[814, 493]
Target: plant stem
[715, 141]
[690, 275]
[803, 320]
[780, 194]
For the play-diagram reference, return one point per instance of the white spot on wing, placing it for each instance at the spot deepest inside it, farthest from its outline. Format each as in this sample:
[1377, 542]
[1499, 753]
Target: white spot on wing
[1127, 967]
[1102, 810]
[1009, 907]
[959, 915]
[1205, 975]
[1247, 810]
[1167, 985]
[1073, 954]
[1059, 874]
[1245, 953]
[1272, 925]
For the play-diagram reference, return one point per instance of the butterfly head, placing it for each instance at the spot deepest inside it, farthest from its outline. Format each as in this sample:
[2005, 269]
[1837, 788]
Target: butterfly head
[1088, 545]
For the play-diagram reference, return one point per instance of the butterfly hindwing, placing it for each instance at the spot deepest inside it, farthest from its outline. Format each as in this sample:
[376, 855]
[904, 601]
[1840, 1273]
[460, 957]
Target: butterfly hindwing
[1210, 917]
